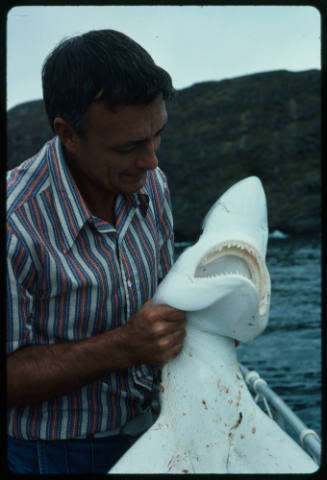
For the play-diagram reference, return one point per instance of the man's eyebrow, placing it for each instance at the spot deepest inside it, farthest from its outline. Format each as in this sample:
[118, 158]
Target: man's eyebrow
[136, 142]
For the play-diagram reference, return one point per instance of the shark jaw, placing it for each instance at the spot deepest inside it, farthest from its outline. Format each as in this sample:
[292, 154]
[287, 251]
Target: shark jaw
[235, 258]
[227, 281]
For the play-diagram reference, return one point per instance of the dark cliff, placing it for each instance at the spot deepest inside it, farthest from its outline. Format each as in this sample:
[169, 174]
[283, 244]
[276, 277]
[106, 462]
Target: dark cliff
[266, 124]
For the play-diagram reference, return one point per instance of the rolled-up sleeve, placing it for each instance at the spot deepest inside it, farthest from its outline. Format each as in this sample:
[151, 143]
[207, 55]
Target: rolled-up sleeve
[19, 298]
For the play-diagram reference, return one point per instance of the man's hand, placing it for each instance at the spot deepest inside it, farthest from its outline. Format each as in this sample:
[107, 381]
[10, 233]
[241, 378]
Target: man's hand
[155, 334]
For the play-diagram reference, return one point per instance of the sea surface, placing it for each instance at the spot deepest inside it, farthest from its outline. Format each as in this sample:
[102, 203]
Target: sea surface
[288, 353]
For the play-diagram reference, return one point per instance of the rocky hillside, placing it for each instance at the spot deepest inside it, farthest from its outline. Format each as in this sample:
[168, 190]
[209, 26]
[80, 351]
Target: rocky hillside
[27, 131]
[266, 124]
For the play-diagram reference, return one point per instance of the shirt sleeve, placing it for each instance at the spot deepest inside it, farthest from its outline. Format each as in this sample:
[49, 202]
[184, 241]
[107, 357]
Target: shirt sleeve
[166, 233]
[19, 299]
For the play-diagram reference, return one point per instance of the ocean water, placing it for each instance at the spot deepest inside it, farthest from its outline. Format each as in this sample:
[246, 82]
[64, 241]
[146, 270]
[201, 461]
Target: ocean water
[288, 353]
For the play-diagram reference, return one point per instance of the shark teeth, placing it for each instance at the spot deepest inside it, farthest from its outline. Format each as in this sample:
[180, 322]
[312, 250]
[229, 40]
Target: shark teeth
[242, 259]
[223, 274]
[214, 253]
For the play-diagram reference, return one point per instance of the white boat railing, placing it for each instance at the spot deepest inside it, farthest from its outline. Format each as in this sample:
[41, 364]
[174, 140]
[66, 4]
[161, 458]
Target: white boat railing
[308, 438]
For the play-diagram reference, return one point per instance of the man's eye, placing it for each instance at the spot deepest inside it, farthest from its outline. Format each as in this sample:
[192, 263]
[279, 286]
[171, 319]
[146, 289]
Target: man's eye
[126, 149]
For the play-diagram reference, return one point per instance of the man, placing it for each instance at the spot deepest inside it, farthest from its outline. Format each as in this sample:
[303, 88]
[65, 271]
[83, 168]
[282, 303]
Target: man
[89, 236]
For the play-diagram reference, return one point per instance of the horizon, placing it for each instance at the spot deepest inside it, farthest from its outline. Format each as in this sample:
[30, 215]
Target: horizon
[194, 84]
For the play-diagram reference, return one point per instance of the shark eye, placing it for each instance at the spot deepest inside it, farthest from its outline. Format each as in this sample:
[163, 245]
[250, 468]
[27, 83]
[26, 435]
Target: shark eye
[223, 264]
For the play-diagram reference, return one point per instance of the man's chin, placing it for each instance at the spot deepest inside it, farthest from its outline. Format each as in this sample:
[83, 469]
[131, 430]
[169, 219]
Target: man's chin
[134, 183]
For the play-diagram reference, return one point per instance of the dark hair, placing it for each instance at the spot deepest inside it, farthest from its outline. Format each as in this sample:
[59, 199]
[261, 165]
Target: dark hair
[99, 65]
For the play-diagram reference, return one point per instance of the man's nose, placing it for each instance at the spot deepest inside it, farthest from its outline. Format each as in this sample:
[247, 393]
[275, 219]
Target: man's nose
[147, 157]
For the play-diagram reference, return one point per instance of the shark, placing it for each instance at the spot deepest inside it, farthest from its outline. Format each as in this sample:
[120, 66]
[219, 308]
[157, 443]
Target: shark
[208, 421]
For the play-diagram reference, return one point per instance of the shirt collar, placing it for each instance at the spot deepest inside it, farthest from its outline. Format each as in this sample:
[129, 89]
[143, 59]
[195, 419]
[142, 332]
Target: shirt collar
[71, 208]
[141, 198]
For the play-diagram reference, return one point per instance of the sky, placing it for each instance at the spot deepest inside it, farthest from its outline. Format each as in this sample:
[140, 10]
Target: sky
[193, 43]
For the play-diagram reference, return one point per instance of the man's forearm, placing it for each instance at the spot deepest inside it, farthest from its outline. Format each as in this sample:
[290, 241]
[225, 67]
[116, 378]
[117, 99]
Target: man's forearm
[36, 373]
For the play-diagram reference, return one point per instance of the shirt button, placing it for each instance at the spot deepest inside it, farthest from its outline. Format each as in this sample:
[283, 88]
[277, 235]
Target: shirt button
[129, 283]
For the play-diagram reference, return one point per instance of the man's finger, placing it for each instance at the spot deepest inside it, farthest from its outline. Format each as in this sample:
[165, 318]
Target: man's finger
[172, 314]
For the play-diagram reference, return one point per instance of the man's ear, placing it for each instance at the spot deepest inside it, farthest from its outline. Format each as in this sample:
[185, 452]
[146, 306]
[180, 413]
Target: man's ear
[67, 134]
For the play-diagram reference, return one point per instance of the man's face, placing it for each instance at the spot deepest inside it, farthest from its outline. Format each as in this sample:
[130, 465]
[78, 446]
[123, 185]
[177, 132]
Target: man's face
[119, 146]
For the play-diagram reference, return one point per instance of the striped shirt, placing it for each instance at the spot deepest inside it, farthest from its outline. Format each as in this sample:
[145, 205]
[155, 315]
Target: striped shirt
[71, 275]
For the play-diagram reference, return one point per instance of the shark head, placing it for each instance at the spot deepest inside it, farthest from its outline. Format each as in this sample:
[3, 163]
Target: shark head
[222, 280]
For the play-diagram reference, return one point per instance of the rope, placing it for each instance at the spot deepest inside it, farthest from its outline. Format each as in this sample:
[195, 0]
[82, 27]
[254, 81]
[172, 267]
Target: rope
[258, 379]
[267, 407]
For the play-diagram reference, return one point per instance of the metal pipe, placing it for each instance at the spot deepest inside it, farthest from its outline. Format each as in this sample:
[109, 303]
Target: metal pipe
[308, 438]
